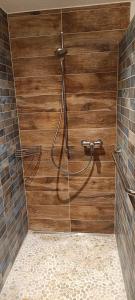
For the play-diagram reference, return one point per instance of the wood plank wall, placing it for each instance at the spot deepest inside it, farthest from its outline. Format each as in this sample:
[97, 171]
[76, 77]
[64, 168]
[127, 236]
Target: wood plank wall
[83, 203]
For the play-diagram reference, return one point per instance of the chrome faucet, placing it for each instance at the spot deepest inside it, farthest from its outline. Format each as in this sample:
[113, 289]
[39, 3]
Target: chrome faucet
[92, 145]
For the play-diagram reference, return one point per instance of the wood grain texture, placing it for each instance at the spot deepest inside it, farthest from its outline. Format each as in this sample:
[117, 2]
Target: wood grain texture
[78, 153]
[92, 226]
[38, 66]
[50, 120]
[34, 24]
[42, 168]
[91, 63]
[90, 186]
[49, 225]
[91, 213]
[101, 169]
[33, 86]
[105, 101]
[45, 154]
[40, 46]
[79, 83]
[43, 121]
[45, 137]
[39, 103]
[39, 137]
[106, 200]
[100, 41]
[90, 120]
[106, 134]
[96, 19]
[49, 212]
[47, 198]
[46, 184]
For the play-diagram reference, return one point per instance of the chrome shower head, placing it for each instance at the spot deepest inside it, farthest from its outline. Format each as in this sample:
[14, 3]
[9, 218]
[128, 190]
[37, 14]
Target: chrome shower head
[61, 52]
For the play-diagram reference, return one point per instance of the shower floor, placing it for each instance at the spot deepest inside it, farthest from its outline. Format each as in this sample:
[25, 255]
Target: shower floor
[66, 266]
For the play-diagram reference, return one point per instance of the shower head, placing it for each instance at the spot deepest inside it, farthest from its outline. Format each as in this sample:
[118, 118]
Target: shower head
[61, 52]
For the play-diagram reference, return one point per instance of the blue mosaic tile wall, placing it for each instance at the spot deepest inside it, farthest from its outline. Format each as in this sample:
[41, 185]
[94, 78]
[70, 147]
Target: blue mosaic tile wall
[13, 214]
[125, 205]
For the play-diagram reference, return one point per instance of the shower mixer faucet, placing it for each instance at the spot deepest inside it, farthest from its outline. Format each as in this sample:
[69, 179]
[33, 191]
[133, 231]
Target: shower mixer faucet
[92, 145]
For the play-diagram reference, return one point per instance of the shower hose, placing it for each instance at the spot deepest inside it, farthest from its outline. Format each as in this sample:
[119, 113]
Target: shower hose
[60, 52]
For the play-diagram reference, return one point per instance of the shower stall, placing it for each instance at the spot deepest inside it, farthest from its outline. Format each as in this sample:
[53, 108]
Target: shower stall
[66, 87]
[67, 145]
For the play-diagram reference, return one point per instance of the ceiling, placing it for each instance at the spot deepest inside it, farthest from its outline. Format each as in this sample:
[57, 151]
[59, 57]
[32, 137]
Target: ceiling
[11, 6]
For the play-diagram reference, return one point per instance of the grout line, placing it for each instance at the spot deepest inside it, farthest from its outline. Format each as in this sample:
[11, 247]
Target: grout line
[82, 52]
[65, 177]
[67, 74]
[70, 112]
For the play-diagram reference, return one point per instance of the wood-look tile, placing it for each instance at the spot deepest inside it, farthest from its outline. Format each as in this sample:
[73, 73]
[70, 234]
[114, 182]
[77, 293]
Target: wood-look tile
[48, 120]
[92, 101]
[80, 83]
[30, 47]
[43, 121]
[46, 184]
[91, 213]
[39, 103]
[78, 153]
[33, 86]
[91, 62]
[106, 200]
[92, 226]
[101, 169]
[106, 134]
[88, 186]
[91, 119]
[45, 154]
[34, 24]
[26, 67]
[47, 198]
[39, 168]
[49, 212]
[45, 137]
[47, 225]
[42, 138]
[84, 42]
[96, 19]
[76, 102]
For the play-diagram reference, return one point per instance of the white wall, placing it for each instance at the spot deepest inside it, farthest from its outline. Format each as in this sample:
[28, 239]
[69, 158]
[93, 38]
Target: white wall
[132, 9]
[11, 6]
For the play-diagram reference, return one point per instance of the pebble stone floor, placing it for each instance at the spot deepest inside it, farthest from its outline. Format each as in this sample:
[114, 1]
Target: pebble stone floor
[66, 266]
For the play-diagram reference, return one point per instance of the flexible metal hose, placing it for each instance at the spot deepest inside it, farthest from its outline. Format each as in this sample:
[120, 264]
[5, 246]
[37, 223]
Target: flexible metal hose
[63, 110]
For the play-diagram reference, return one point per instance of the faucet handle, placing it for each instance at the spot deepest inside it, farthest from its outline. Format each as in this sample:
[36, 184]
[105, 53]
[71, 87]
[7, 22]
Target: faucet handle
[85, 143]
[96, 144]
